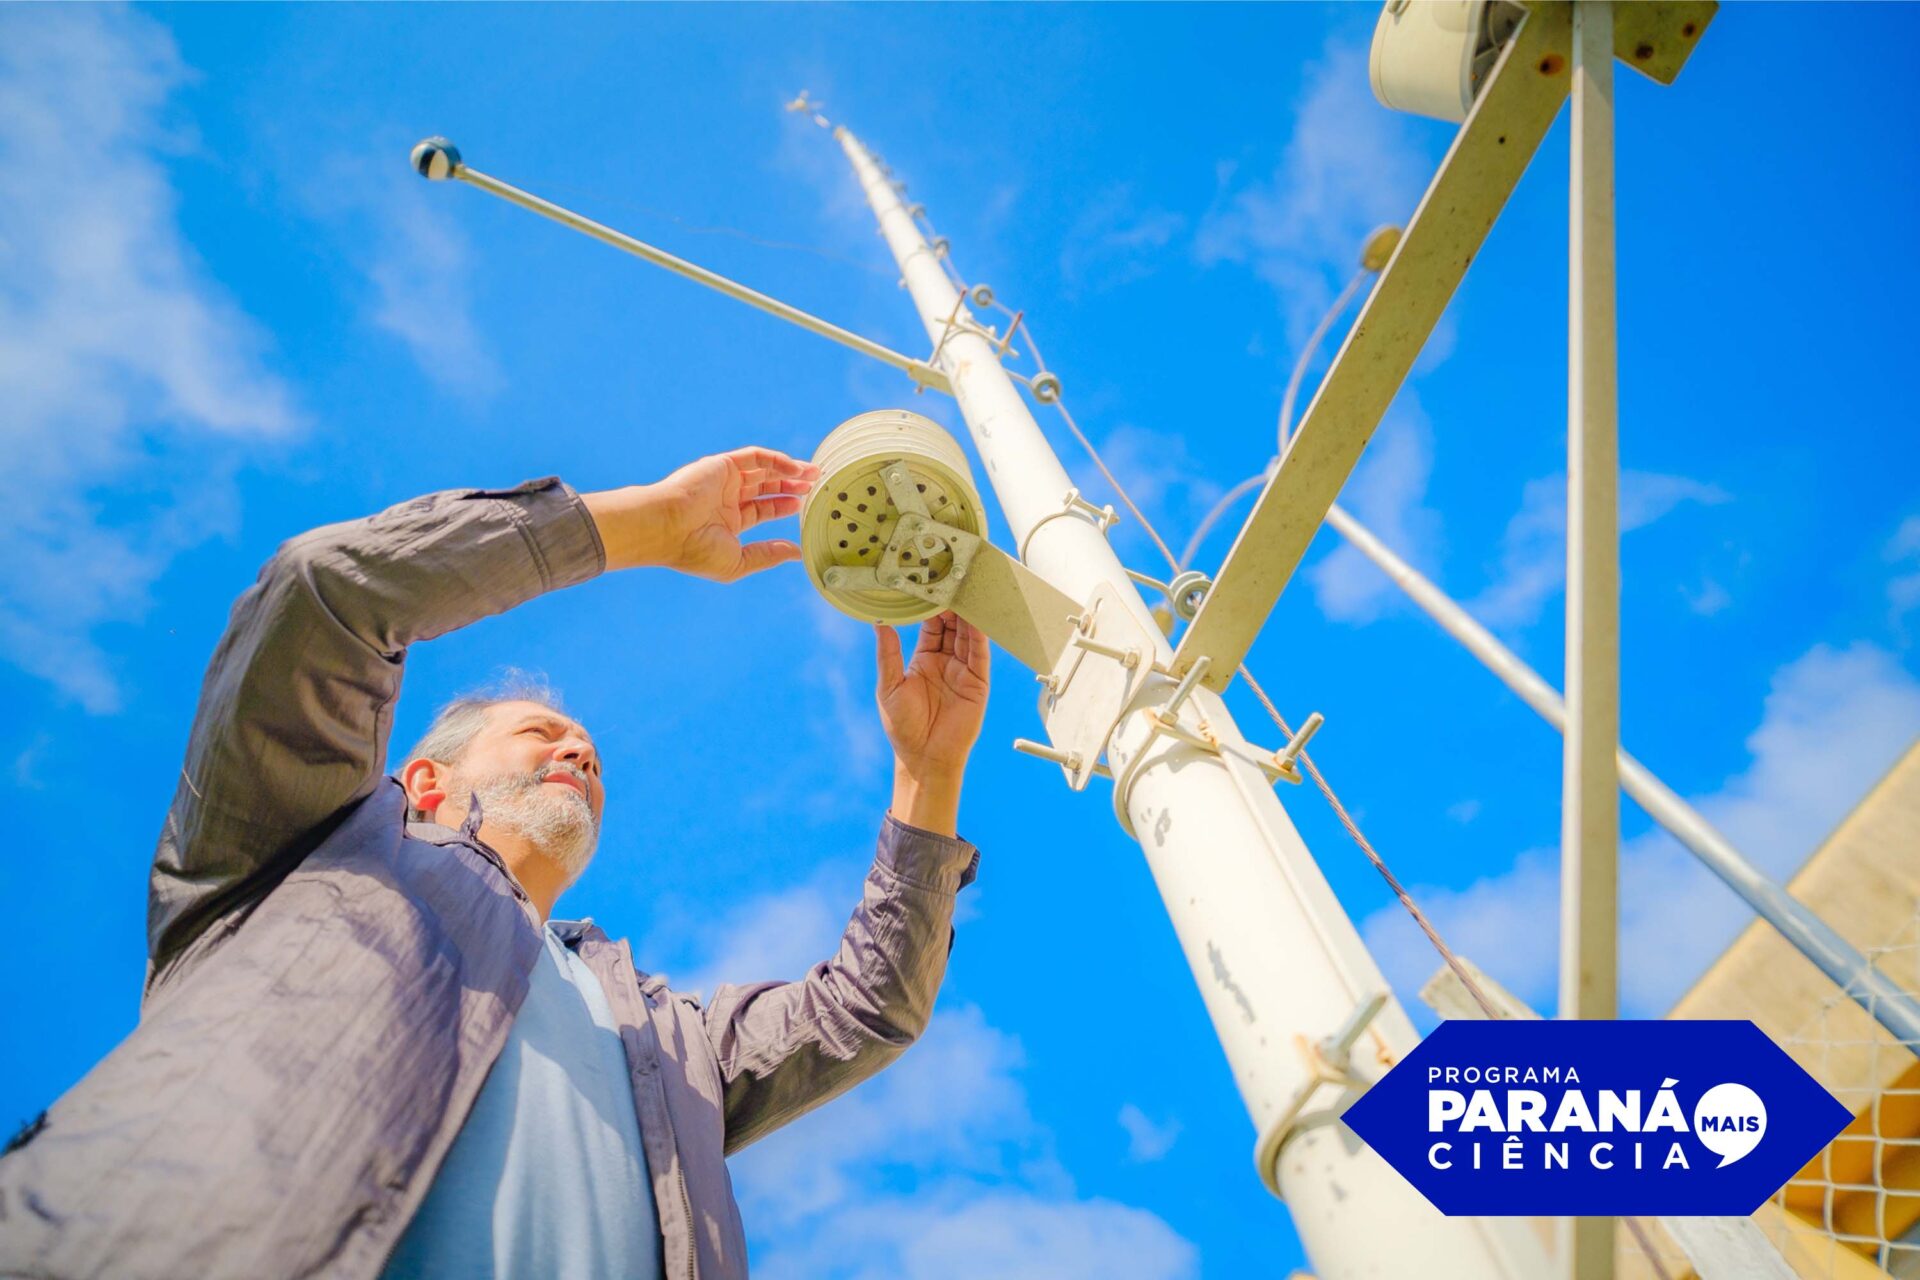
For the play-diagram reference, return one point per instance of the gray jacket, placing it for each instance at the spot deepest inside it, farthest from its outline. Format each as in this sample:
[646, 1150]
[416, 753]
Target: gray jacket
[328, 985]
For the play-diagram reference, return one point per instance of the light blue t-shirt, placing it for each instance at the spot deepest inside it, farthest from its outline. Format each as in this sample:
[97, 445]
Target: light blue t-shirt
[547, 1179]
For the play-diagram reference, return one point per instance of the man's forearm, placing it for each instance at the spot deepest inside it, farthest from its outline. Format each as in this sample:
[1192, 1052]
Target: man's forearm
[928, 799]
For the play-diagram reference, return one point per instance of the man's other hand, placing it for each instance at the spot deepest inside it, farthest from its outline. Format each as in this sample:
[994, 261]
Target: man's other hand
[693, 519]
[932, 710]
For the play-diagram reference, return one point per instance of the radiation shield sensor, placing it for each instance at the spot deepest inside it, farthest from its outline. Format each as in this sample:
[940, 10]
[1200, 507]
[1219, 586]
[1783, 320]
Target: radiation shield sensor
[851, 517]
[1433, 57]
[894, 531]
[1430, 57]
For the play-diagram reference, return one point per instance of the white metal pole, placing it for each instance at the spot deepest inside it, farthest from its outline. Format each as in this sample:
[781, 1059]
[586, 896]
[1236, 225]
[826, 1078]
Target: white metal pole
[1590, 788]
[1277, 960]
[1881, 998]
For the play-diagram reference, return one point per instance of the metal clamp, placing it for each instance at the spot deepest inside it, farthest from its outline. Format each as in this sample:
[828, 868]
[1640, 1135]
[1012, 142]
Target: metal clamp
[1105, 659]
[1082, 639]
[1143, 727]
[1013, 328]
[1104, 518]
[1283, 766]
[958, 324]
[1169, 712]
[1068, 760]
[1329, 1062]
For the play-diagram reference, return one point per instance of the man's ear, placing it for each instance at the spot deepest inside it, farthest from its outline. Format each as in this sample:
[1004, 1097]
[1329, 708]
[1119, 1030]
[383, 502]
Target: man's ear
[426, 784]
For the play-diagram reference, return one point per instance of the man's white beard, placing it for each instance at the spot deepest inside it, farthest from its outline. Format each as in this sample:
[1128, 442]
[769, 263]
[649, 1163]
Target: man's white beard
[561, 826]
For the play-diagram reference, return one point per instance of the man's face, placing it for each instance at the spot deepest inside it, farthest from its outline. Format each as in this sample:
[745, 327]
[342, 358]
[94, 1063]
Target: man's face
[525, 739]
[535, 773]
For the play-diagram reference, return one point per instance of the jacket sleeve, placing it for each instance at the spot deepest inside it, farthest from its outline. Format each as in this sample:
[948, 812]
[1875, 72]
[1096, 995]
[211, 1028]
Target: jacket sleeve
[297, 703]
[786, 1047]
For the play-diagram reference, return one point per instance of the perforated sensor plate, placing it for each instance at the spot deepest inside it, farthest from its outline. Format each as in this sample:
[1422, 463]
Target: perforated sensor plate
[852, 519]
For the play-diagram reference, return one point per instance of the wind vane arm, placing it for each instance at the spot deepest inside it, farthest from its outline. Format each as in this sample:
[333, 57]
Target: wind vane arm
[438, 160]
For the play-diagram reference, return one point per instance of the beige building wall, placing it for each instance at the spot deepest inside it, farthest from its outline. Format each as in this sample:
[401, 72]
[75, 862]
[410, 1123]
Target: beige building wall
[1865, 882]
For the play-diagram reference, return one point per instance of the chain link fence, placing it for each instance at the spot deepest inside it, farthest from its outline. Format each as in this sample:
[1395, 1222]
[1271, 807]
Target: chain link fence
[1853, 1212]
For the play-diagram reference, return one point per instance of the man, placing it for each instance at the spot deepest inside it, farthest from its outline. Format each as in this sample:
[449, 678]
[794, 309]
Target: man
[365, 1048]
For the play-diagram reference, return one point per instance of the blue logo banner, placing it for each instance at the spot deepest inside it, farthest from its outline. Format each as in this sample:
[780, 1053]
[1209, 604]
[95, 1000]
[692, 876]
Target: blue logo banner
[1586, 1118]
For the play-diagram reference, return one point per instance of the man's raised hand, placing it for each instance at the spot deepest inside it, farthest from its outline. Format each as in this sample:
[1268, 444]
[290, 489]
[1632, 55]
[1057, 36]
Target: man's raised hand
[932, 709]
[693, 519]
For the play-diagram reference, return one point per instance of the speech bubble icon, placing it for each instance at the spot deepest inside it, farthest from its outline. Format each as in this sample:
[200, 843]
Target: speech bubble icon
[1729, 1120]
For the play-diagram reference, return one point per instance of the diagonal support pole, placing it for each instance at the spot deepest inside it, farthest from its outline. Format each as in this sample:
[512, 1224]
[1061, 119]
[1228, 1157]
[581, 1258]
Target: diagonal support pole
[1878, 996]
[1480, 171]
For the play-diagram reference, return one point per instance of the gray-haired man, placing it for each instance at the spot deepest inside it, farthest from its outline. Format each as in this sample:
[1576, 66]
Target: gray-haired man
[365, 1046]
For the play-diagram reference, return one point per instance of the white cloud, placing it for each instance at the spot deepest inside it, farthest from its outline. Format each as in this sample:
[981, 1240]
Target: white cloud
[846, 650]
[776, 937]
[996, 216]
[984, 1195]
[1165, 479]
[416, 261]
[1903, 552]
[1160, 473]
[1115, 242]
[1348, 166]
[1709, 599]
[1834, 721]
[1533, 550]
[27, 765]
[1507, 923]
[836, 753]
[935, 1167]
[1387, 494]
[1147, 1139]
[810, 155]
[1005, 1234]
[132, 382]
[951, 1105]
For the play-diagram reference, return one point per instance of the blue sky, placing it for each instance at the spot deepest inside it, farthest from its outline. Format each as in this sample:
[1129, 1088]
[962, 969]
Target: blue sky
[229, 312]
